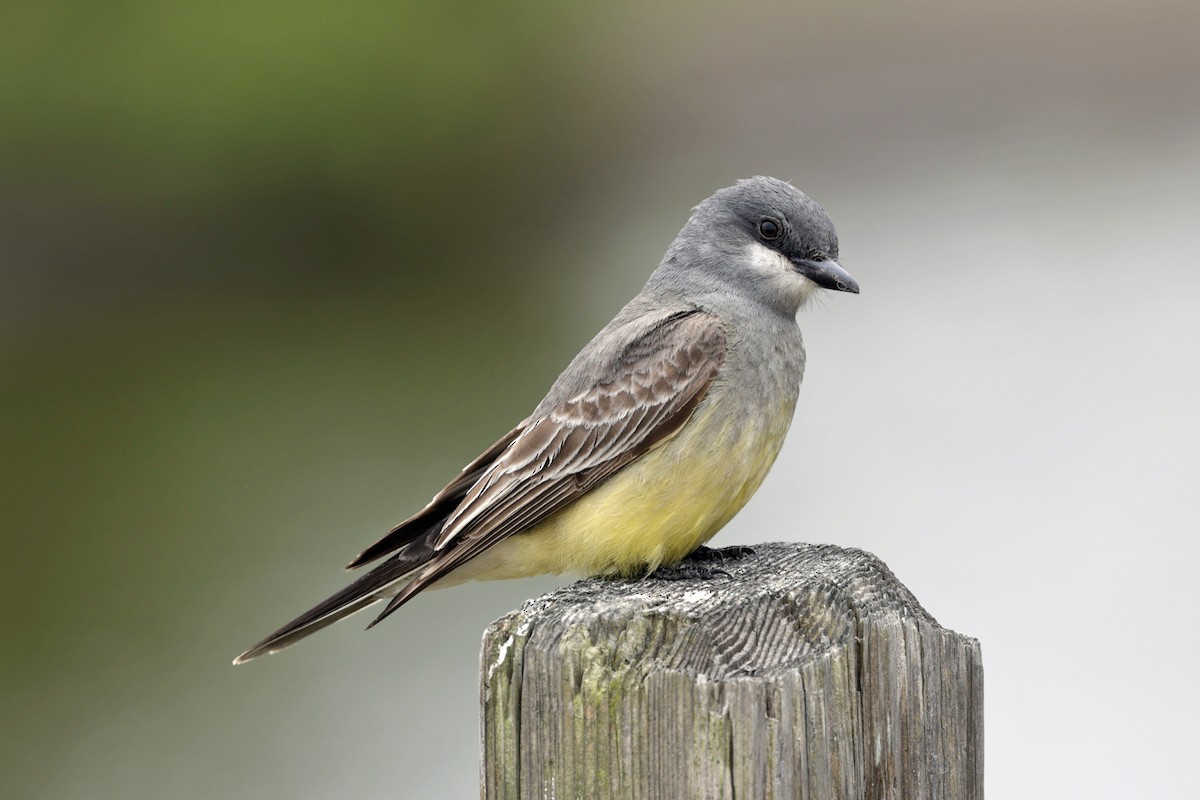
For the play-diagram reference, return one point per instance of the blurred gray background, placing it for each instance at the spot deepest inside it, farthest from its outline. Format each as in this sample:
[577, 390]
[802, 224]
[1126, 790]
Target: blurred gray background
[270, 272]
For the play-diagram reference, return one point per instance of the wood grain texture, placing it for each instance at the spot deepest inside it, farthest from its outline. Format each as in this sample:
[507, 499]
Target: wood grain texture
[810, 673]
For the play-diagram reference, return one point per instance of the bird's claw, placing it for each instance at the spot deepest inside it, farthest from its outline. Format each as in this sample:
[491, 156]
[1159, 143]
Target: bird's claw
[704, 554]
[687, 571]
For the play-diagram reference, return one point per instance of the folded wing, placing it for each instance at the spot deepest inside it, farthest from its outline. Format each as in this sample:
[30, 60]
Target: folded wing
[645, 397]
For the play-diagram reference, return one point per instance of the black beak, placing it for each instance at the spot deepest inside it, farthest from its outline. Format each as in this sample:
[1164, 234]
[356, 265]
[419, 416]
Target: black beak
[827, 274]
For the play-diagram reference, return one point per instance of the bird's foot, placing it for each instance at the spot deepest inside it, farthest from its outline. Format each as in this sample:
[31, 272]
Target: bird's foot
[686, 571]
[703, 554]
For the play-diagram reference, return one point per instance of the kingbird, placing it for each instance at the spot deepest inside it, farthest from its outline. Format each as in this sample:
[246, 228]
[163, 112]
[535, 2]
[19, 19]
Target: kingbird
[654, 436]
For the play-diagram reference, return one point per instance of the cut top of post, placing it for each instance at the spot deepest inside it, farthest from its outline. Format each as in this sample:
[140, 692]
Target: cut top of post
[780, 605]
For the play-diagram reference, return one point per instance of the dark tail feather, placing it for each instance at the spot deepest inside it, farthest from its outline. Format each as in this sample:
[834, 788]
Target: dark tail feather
[363, 592]
[427, 523]
[429, 519]
[414, 539]
[289, 635]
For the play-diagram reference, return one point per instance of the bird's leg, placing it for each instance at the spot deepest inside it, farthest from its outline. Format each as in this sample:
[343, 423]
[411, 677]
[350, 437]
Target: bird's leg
[703, 554]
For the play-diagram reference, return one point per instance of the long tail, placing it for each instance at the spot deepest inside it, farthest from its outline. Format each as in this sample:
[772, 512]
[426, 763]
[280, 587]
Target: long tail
[412, 541]
[380, 583]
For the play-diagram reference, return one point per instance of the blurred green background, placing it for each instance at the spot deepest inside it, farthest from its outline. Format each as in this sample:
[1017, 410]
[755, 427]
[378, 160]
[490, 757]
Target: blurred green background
[270, 272]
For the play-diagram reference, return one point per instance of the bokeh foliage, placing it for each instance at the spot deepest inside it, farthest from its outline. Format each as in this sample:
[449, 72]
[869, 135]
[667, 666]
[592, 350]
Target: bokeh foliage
[292, 144]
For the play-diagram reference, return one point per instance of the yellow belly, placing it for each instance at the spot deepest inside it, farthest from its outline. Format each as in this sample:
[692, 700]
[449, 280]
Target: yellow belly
[655, 511]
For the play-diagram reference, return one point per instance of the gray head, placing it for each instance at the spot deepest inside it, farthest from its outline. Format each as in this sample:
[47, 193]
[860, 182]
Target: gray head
[762, 239]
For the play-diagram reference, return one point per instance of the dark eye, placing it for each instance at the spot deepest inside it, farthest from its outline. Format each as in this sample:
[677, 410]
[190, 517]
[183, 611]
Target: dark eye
[769, 229]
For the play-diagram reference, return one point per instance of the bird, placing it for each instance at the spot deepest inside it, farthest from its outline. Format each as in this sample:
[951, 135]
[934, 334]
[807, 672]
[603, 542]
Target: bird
[655, 435]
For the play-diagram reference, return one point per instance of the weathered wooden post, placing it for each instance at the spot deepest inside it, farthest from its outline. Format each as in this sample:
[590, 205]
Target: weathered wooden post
[810, 673]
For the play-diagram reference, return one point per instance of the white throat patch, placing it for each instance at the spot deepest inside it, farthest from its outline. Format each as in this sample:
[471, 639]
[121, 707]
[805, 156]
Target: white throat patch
[776, 272]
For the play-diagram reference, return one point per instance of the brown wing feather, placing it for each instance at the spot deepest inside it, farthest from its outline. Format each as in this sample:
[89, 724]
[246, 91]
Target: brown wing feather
[651, 392]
